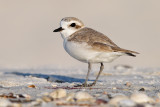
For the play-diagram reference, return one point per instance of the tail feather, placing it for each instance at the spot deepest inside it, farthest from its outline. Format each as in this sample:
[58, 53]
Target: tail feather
[130, 54]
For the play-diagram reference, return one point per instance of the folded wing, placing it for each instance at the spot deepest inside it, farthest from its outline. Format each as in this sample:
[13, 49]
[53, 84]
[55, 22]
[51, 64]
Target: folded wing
[98, 41]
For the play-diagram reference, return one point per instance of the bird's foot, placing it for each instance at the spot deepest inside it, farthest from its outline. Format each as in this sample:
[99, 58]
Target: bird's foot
[85, 85]
[92, 84]
[81, 85]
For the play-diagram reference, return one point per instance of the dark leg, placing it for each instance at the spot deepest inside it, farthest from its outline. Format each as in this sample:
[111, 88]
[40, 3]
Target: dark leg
[101, 69]
[89, 69]
[85, 83]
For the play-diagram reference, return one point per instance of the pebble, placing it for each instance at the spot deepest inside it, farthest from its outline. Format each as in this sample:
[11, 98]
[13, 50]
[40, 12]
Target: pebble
[47, 99]
[128, 84]
[59, 93]
[127, 103]
[54, 85]
[97, 95]
[114, 88]
[112, 95]
[70, 97]
[31, 86]
[141, 98]
[50, 104]
[45, 93]
[114, 101]
[157, 100]
[141, 89]
[158, 94]
[100, 101]
[83, 96]
[5, 103]
[16, 105]
[23, 96]
[37, 102]
[105, 92]
[148, 105]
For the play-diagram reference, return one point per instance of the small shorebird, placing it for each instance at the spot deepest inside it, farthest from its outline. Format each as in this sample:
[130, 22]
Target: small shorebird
[88, 45]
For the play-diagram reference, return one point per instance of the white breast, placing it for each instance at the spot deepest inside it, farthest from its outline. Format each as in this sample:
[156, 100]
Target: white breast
[79, 51]
[84, 53]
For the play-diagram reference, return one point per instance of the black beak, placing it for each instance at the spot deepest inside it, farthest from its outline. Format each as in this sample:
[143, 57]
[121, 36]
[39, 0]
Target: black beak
[58, 30]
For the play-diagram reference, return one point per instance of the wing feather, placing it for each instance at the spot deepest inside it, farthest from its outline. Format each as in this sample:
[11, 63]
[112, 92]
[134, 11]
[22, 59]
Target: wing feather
[97, 41]
[91, 36]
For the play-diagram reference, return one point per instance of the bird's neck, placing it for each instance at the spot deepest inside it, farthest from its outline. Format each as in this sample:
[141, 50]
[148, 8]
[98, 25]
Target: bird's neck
[66, 33]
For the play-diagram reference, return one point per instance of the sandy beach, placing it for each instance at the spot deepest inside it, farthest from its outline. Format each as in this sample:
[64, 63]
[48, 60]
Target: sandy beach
[25, 87]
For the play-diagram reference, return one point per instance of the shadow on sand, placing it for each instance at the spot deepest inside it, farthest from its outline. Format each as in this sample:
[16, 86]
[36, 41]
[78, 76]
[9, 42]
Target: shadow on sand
[51, 78]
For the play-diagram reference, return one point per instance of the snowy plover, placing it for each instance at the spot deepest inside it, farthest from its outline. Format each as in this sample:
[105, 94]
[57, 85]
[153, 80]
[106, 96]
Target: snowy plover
[88, 45]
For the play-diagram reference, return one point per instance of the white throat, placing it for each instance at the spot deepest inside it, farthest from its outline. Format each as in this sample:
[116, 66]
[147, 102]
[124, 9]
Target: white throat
[66, 33]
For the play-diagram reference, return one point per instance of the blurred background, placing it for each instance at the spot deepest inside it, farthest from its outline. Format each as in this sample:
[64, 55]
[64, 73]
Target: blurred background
[27, 38]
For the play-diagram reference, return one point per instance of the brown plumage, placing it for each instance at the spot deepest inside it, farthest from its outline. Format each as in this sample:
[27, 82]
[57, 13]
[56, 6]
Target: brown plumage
[97, 41]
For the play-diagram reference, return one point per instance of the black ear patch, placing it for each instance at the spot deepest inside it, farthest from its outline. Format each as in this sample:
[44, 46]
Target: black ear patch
[73, 25]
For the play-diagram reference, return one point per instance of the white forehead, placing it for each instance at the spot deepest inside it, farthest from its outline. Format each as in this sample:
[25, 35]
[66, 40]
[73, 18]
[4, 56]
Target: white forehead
[64, 23]
[69, 20]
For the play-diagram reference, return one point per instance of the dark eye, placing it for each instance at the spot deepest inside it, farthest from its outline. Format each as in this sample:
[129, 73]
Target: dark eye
[73, 25]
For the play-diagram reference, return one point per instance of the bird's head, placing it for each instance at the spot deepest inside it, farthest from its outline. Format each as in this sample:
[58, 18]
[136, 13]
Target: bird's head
[68, 26]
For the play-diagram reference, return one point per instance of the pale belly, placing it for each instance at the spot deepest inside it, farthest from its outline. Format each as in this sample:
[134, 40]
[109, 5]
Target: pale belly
[84, 53]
